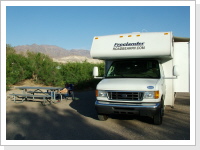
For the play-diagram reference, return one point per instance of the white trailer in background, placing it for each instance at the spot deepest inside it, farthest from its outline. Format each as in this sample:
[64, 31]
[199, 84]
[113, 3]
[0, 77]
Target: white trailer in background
[143, 71]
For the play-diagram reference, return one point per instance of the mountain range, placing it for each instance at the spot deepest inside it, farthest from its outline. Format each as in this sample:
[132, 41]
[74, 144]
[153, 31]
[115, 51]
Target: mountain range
[58, 54]
[52, 51]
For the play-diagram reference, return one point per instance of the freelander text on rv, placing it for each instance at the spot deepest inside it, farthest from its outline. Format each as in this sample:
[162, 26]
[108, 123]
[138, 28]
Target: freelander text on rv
[143, 71]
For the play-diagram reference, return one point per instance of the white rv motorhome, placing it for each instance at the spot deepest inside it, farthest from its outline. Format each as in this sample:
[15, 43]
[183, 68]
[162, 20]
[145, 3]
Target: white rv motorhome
[143, 71]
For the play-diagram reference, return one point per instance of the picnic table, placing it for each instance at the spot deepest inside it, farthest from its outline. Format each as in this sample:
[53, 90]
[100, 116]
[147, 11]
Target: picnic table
[48, 94]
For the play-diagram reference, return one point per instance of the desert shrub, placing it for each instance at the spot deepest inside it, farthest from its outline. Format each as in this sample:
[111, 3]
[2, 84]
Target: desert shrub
[17, 67]
[80, 74]
[42, 69]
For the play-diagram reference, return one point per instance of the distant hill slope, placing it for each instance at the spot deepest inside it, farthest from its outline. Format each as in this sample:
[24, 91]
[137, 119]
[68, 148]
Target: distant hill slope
[58, 54]
[52, 51]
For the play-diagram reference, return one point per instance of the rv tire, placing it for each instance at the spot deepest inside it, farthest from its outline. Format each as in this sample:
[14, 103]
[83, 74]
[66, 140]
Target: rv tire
[157, 118]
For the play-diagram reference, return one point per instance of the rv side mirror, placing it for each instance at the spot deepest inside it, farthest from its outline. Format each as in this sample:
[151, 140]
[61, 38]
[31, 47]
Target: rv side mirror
[95, 71]
[175, 71]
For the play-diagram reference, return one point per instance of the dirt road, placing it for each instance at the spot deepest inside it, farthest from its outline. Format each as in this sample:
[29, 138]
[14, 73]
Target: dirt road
[77, 120]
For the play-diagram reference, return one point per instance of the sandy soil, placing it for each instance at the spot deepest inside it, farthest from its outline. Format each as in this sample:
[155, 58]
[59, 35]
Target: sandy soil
[77, 120]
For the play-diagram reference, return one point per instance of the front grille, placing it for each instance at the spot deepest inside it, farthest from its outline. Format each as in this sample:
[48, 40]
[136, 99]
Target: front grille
[135, 96]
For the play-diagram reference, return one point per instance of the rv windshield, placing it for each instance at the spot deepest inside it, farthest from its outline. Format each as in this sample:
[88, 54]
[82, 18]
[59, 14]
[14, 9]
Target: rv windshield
[134, 69]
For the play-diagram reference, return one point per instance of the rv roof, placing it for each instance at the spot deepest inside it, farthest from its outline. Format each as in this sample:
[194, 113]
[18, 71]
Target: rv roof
[134, 45]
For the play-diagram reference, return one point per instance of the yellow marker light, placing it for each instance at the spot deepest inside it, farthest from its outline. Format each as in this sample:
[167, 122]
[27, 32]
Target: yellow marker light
[121, 36]
[96, 38]
[165, 33]
[96, 93]
[138, 35]
[129, 35]
[156, 94]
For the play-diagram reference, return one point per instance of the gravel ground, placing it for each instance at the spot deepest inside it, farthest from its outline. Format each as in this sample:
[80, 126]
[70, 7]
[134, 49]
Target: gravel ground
[77, 120]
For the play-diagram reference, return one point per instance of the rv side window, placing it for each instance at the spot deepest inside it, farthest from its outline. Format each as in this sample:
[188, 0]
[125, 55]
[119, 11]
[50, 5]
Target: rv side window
[134, 69]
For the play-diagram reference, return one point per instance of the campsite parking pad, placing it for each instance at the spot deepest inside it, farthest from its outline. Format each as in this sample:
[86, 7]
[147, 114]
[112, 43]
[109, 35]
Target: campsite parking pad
[77, 120]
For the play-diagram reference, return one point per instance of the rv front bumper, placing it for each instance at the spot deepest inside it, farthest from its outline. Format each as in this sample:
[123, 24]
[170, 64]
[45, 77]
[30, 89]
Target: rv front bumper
[146, 109]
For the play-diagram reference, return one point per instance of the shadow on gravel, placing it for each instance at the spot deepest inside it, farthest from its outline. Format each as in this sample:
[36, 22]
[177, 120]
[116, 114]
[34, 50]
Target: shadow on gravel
[85, 104]
[175, 126]
[50, 123]
[53, 123]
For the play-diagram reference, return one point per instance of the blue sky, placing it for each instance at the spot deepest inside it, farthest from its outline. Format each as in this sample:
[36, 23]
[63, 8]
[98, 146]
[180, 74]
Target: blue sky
[73, 27]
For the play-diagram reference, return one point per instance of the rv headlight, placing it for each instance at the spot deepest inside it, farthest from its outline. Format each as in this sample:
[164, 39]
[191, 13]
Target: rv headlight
[101, 93]
[151, 94]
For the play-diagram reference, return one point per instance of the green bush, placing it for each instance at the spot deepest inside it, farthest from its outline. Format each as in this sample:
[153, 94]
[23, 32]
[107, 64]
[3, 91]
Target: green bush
[42, 69]
[80, 74]
[17, 67]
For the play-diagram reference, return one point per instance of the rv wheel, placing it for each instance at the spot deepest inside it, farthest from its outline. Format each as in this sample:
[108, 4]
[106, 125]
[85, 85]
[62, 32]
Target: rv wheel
[102, 117]
[157, 118]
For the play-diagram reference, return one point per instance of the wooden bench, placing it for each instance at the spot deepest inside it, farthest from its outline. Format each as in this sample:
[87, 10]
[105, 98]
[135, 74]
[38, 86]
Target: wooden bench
[25, 96]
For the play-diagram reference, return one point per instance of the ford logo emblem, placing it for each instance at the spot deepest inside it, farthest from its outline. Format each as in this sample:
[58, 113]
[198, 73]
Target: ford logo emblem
[150, 87]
